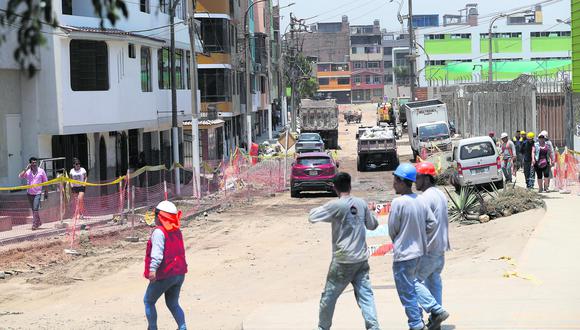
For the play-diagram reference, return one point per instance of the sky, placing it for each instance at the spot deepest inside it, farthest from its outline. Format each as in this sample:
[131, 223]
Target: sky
[365, 11]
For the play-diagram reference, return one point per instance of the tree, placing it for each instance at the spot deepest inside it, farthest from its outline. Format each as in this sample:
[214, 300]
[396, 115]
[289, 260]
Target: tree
[30, 16]
[299, 71]
[307, 88]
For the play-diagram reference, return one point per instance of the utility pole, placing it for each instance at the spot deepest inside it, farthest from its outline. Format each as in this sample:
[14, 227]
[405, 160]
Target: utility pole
[412, 59]
[296, 72]
[292, 72]
[194, 98]
[269, 19]
[174, 127]
[248, 60]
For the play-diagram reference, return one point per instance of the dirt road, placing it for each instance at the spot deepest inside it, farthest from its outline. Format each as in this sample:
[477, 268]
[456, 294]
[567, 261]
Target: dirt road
[239, 260]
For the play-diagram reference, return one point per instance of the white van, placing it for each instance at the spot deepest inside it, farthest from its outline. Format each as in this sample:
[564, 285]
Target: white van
[477, 162]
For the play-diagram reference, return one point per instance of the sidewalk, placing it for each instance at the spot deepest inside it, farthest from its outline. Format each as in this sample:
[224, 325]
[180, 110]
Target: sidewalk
[264, 137]
[550, 299]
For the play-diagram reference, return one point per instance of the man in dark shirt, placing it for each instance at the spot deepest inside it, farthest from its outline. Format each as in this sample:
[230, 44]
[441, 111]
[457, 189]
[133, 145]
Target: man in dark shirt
[526, 150]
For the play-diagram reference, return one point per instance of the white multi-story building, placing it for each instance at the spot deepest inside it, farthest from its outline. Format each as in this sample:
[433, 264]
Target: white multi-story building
[525, 40]
[102, 96]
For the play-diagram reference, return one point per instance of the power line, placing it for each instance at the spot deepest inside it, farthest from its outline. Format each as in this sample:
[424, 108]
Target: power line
[370, 11]
[488, 18]
[327, 17]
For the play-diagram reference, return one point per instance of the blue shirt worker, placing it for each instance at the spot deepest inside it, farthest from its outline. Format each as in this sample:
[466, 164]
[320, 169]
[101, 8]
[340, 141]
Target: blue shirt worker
[428, 284]
[409, 221]
[349, 217]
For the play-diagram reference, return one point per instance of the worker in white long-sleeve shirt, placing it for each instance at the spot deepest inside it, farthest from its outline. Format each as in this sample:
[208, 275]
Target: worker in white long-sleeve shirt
[428, 284]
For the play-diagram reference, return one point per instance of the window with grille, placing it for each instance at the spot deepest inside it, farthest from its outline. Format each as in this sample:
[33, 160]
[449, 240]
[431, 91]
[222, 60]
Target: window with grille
[89, 65]
[164, 78]
[144, 6]
[146, 69]
[132, 51]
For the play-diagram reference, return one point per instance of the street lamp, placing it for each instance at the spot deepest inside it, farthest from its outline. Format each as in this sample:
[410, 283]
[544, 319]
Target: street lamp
[399, 16]
[288, 5]
[490, 36]
[566, 21]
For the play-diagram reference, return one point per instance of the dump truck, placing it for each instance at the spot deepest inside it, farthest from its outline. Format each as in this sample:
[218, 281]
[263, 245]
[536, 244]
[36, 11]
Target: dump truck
[320, 116]
[376, 147]
[428, 126]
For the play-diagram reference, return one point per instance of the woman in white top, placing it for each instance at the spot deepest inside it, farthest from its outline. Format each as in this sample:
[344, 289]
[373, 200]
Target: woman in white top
[78, 173]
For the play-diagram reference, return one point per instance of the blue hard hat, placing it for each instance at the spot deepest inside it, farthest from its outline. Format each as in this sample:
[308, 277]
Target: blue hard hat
[406, 171]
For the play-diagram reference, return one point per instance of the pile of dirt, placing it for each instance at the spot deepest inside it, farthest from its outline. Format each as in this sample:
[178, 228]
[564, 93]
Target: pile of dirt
[471, 206]
[511, 200]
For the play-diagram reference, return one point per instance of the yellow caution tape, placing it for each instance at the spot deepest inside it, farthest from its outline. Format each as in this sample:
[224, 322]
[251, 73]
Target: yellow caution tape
[47, 183]
[89, 184]
[513, 273]
[574, 152]
[65, 179]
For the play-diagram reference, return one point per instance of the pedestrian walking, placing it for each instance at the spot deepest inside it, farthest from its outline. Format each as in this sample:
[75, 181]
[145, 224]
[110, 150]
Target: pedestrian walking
[543, 152]
[508, 155]
[428, 285]
[350, 217]
[34, 175]
[527, 148]
[409, 221]
[165, 265]
[78, 173]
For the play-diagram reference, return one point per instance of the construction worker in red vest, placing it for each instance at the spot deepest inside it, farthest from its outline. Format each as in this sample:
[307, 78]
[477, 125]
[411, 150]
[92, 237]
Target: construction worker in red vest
[165, 265]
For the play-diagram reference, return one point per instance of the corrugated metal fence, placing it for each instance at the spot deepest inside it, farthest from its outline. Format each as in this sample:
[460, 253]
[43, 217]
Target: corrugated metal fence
[528, 103]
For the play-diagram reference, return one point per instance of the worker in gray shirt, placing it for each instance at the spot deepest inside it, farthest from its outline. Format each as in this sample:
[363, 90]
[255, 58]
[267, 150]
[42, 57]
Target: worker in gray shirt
[428, 283]
[350, 217]
[409, 221]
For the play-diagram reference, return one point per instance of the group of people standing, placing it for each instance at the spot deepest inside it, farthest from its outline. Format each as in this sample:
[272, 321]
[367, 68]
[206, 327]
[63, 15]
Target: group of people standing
[34, 175]
[418, 227]
[535, 156]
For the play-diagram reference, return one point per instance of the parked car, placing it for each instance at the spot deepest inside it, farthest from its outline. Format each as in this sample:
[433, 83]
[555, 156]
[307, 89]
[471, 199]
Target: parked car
[313, 171]
[309, 142]
[477, 162]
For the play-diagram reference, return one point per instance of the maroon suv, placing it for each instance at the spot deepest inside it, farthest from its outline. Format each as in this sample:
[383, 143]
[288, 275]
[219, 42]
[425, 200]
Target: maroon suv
[312, 171]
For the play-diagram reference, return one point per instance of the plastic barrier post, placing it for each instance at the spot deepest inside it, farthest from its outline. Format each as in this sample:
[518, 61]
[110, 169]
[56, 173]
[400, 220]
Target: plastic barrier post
[165, 188]
[147, 186]
[60, 223]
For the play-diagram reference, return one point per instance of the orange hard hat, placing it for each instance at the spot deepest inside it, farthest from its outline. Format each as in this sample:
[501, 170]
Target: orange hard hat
[426, 168]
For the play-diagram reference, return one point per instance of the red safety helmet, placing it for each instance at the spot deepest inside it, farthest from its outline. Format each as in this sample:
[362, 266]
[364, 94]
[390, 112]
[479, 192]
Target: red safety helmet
[426, 168]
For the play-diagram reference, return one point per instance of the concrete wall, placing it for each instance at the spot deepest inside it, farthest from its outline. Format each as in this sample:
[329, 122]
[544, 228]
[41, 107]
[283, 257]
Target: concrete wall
[327, 47]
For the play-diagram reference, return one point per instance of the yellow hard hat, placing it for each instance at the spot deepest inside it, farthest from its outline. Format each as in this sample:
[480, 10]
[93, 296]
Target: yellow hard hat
[523, 132]
[531, 135]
